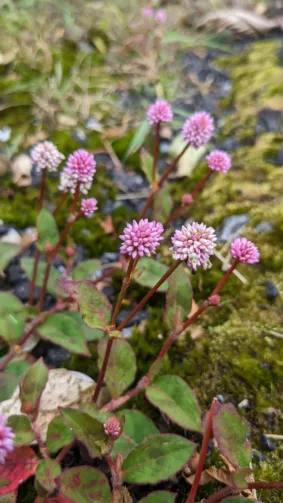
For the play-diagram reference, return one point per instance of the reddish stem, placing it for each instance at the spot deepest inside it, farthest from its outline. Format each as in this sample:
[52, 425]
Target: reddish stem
[115, 403]
[149, 294]
[60, 203]
[37, 252]
[227, 491]
[121, 296]
[103, 369]
[59, 458]
[162, 180]
[44, 285]
[179, 210]
[223, 493]
[203, 452]
[155, 153]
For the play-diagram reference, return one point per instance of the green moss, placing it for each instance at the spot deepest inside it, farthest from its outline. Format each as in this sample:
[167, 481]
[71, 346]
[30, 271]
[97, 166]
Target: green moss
[270, 471]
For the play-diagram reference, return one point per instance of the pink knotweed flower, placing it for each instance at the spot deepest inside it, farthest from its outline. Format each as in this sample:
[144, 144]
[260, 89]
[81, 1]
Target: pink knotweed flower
[161, 16]
[141, 238]
[147, 12]
[6, 439]
[244, 250]
[112, 427]
[80, 168]
[160, 111]
[194, 243]
[89, 206]
[46, 156]
[219, 161]
[198, 129]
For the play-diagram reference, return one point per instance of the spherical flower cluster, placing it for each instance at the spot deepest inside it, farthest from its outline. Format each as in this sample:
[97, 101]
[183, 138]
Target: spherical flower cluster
[160, 111]
[147, 12]
[141, 238]
[80, 168]
[89, 206]
[219, 161]
[244, 251]
[194, 243]
[112, 427]
[198, 129]
[161, 16]
[46, 156]
[6, 439]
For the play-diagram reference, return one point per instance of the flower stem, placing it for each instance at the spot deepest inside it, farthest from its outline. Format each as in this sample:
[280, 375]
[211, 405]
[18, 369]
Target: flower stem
[44, 285]
[197, 189]
[149, 294]
[155, 153]
[60, 203]
[227, 491]
[126, 281]
[37, 252]
[203, 452]
[162, 180]
[115, 403]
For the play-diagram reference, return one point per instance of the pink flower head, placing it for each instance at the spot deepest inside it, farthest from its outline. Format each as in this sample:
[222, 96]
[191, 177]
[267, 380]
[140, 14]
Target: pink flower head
[6, 439]
[160, 111]
[195, 243]
[147, 12]
[80, 168]
[161, 16]
[141, 238]
[198, 129]
[244, 251]
[112, 427]
[89, 206]
[46, 156]
[219, 161]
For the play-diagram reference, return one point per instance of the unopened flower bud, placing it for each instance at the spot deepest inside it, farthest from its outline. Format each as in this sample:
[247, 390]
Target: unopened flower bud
[48, 248]
[70, 251]
[187, 199]
[112, 427]
[214, 300]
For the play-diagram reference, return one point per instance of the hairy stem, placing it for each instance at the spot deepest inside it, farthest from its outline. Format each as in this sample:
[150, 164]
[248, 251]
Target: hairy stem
[37, 252]
[149, 294]
[162, 180]
[203, 452]
[109, 345]
[115, 403]
[155, 153]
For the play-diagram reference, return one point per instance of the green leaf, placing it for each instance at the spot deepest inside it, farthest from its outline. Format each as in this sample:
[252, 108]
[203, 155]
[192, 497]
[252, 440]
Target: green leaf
[137, 426]
[91, 334]
[32, 386]
[12, 326]
[147, 164]
[84, 484]
[178, 298]
[152, 271]
[230, 431]
[190, 159]
[239, 477]
[7, 252]
[52, 287]
[46, 473]
[162, 204]
[88, 430]
[22, 429]
[9, 498]
[66, 332]
[159, 497]
[9, 303]
[93, 305]
[47, 230]
[173, 396]
[86, 269]
[138, 138]
[58, 435]
[157, 458]
[121, 369]
[10, 378]
[17, 367]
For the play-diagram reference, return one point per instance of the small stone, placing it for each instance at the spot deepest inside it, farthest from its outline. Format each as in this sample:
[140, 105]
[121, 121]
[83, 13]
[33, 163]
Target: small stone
[22, 290]
[4, 229]
[230, 227]
[244, 404]
[21, 168]
[266, 443]
[109, 257]
[12, 237]
[220, 398]
[14, 273]
[271, 290]
[139, 316]
[127, 332]
[259, 457]
[56, 356]
[264, 227]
